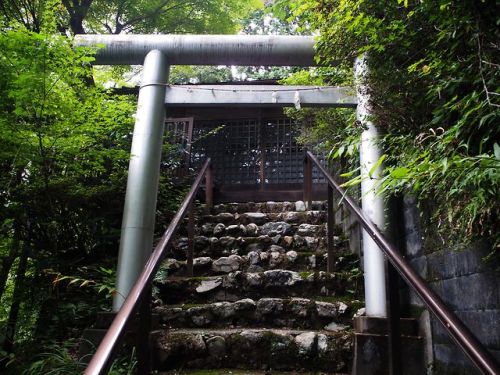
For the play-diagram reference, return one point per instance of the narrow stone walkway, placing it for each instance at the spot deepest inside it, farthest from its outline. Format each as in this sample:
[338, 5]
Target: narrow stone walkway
[260, 299]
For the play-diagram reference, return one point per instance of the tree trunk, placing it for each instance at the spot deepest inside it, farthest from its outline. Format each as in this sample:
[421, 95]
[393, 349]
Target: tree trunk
[10, 329]
[8, 260]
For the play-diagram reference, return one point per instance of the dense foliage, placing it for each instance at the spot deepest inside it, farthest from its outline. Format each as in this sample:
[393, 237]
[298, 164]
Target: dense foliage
[127, 16]
[64, 164]
[434, 93]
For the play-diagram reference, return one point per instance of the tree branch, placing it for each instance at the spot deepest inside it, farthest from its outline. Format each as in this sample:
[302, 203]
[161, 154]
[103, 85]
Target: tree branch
[154, 11]
[485, 87]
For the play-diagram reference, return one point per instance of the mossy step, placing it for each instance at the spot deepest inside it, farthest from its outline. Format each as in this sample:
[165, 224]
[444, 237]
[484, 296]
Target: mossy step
[299, 313]
[273, 349]
[232, 371]
[227, 245]
[274, 258]
[266, 207]
[272, 283]
[261, 218]
[271, 228]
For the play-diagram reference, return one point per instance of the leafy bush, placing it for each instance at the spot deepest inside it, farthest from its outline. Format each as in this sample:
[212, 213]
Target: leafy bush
[434, 94]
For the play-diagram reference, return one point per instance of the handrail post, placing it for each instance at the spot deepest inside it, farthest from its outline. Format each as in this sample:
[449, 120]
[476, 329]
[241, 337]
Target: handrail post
[393, 319]
[308, 182]
[330, 267]
[143, 335]
[396, 230]
[140, 295]
[189, 262]
[209, 188]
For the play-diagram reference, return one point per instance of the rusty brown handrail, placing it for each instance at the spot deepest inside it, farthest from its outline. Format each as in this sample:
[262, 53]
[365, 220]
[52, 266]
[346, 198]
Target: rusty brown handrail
[463, 337]
[100, 360]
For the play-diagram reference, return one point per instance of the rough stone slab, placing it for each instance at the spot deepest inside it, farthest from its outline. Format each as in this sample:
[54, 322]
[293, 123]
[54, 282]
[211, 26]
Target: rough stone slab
[472, 292]
[264, 207]
[450, 264]
[253, 349]
[238, 371]
[371, 355]
[208, 285]
[225, 245]
[299, 313]
[484, 324]
[272, 283]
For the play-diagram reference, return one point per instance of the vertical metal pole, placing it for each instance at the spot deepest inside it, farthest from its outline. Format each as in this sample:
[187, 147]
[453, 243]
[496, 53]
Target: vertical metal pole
[143, 335]
[372, 203]
[393, 320]
[136, 240]
[189, 262]
[330, 225]
[396, 231]
[209, 188]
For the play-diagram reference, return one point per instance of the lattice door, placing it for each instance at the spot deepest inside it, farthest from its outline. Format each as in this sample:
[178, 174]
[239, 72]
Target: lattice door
[250, 152]
[180, 133]
[234, 148]
[283, 162]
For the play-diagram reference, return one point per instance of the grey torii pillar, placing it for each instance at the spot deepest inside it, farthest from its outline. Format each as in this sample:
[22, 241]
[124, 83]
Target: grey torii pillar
[372, 203]
[136, 240]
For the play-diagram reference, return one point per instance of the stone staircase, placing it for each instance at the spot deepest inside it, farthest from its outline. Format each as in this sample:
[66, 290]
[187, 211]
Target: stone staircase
[260, 299]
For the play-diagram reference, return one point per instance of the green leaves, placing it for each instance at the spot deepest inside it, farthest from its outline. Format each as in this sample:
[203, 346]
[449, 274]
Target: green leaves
[400, 172]
[496, 149]
[434, 84]
[376, 166]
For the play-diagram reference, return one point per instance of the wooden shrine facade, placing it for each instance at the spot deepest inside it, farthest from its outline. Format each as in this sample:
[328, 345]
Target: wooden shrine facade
[254, 151]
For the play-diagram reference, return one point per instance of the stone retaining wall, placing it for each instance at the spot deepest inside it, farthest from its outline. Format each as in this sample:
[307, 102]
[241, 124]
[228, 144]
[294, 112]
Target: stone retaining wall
[468, 285]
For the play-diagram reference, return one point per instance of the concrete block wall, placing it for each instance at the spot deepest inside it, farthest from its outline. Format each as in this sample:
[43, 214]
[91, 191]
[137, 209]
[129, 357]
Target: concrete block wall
[469, 286]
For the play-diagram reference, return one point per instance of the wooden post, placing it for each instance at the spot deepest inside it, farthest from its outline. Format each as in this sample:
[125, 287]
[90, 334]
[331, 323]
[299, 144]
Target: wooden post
[143, 335]
[330, 227]
[308, 183]
[189, 263]
[209, 188]
[354, 235]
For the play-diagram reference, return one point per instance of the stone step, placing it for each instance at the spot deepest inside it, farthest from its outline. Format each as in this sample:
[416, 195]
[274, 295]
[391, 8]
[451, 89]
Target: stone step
[271, 229]
[261, 349]
[228, 245]
[252, 262]
[238, 285]
[267, 207]
[257, 261]
[235, 371]
[298, 313]
[261, 218]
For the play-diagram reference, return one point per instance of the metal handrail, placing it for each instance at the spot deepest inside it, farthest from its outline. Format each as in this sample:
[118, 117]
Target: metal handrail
[108, 345]
[463, 337]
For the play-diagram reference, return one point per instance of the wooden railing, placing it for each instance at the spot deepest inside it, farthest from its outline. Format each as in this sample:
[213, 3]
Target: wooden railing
[139, 298]
[457, 330]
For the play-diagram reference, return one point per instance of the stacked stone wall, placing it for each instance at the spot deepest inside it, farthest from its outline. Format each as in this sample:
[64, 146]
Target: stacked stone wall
[468, 284]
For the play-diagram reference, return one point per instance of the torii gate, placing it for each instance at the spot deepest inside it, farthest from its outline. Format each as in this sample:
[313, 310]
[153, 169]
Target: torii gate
[157, 53]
